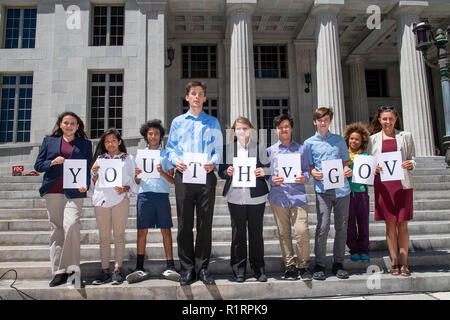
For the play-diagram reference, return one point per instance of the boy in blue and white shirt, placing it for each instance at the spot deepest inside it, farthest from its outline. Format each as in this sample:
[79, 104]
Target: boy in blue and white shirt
[153, 205]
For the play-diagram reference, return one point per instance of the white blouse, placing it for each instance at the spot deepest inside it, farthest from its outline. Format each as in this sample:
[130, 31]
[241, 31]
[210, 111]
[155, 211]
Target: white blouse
[241, 195]
[108, 197]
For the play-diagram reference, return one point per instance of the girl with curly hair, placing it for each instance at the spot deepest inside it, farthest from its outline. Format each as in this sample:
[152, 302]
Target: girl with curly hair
[356, 136]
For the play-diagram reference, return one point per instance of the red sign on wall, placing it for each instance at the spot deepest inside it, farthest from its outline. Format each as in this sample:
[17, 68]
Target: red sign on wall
[17, 170]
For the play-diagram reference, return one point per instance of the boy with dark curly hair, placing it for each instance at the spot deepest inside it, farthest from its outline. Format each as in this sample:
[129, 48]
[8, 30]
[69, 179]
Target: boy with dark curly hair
[153, 206]
[356, 137]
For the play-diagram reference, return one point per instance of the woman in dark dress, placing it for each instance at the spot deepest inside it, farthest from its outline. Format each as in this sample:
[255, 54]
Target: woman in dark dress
[393, 199]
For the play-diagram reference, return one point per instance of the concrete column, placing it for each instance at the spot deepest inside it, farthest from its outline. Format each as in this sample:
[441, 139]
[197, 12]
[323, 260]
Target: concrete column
[307, 101]
[330, 88]
[413, 80]
[242, 74]
[156, 59]
[358, 90]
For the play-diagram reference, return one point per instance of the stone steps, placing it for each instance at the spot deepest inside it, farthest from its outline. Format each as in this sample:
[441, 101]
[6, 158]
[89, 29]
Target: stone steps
[220, 220]
[428, 242]
[422, 280]
[221, 266]
[219, 234]
[439, 204]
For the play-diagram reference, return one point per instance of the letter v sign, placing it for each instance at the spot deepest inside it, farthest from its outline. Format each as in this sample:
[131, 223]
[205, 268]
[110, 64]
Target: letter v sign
[393, 167]
[287, 173]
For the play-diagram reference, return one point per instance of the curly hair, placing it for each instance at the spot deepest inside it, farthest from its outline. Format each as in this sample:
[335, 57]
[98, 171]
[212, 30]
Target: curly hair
[155, 123]
[360, 128]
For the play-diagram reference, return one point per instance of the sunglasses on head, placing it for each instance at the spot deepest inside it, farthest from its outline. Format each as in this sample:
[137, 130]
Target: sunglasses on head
[386, 108]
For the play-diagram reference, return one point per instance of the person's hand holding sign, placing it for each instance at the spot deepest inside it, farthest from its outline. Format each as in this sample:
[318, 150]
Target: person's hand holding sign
[278, 180]
[316, 174]
[230, 171]
[347, 172]
[407, 165]
[300, 179]
[181, 166]
[209, 166]
[259, 172]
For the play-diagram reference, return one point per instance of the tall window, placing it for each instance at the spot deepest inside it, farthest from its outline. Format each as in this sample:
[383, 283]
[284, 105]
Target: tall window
[16, 98]
[210, 107]
[270, 61]
[108, 26]
[20, 29]
[266, 111]
[376, 83]
[199, 62]
[106, 102]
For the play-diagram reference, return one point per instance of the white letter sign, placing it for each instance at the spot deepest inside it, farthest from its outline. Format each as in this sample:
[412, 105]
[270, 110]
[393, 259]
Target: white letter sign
[244, 172]
[333, 174]
[289, 167]
[74, 173]
[391, 162]
[147, 160]
[363, 169]
[109, 173]
[195, 173]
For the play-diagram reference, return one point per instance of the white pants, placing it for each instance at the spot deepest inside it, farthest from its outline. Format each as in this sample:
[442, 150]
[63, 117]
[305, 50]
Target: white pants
[64, 215]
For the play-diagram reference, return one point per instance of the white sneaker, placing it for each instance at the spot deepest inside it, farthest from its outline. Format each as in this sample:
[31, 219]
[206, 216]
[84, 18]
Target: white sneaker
[137, 276]
[171, 274]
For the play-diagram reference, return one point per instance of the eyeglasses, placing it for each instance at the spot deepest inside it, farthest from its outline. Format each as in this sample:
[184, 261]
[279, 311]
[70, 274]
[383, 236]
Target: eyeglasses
[383, 108]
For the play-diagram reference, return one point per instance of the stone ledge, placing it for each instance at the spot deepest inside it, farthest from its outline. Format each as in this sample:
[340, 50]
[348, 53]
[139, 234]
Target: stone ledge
[275, 288]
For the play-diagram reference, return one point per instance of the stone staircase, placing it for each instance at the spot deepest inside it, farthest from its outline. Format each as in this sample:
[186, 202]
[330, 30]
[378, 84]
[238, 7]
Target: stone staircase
[25, 230]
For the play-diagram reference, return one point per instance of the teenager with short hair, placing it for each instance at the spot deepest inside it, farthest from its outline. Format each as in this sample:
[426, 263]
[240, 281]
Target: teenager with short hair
[289, 201]
[197, 132]
[325, 145]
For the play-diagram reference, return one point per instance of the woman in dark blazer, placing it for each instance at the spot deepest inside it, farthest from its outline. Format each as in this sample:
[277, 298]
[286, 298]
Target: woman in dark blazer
[67, 141]
[246, 205]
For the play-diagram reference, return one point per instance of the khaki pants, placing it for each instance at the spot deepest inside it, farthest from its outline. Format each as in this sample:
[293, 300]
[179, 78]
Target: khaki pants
[285, 218]
[117, 216]
[64, 215]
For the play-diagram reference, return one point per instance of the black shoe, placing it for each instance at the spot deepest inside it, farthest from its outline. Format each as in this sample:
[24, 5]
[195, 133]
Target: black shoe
[291, 273]
[319, 273]
[339, 271]
[59, 279]
[239, 278]
[102, 278]
[305, 274]
[188, 278]
[260, 275]
[205, 277]
[117, 277]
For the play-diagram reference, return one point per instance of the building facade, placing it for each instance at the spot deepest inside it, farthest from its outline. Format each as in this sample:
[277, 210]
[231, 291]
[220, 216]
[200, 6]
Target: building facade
[108, 61]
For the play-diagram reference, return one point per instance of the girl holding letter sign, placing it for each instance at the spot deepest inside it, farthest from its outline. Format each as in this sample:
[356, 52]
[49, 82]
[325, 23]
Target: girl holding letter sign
[393, 199]
[67, 141]
[356, 136]
[246, 206]
[111, 204]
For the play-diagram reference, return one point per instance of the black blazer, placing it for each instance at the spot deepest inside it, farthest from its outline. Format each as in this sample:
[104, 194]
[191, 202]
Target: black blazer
[50, 149]
[261, 184]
